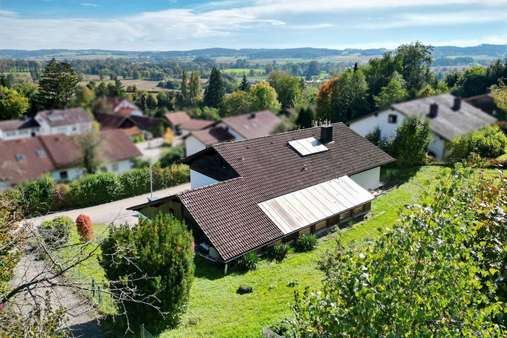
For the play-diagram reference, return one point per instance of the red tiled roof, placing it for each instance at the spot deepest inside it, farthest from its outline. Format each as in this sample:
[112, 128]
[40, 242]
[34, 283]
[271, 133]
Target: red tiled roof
[213, 135]
[177, 118]
[253, 125]
[194, 124]
[64, 117]
[29, 158]
[227, 212]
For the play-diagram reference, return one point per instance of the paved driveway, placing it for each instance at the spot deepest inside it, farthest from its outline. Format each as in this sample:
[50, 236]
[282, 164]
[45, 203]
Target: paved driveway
[114, 212]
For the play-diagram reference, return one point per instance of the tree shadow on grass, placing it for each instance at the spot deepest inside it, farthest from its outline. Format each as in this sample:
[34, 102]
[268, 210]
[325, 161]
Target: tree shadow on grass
[207, 269]
[393, 175]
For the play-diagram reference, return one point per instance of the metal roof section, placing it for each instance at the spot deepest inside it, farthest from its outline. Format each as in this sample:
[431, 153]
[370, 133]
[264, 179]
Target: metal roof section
[308, 146]
[308, 206]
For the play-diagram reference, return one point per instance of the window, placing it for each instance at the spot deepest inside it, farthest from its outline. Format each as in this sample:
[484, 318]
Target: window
[392, 118]
[64, 175]
[20, 157]
[40, 153]
[115, 167]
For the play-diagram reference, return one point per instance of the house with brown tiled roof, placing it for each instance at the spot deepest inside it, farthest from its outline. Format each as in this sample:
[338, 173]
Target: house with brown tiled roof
[71, 121]
[248, 195]
[182, 124]
[61, 156]
[233, 128]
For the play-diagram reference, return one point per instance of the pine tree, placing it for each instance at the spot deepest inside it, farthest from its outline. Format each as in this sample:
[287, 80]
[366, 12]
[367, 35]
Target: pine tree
[215, 91]
[244, 85]
[57, 85]
[184, 88]
[194, 88]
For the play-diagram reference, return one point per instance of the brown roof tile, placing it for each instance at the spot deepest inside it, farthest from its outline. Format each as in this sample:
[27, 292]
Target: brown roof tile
[29, 158]
[177, 118]
[253, 125]
[213, 135]
[195, 124]
[64, 117]
[227, 212]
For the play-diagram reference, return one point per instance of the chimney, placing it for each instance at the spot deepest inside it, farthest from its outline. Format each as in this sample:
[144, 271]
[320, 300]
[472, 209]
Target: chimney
[457, 104]
[326, 133]
[252, 115]
[433, 110]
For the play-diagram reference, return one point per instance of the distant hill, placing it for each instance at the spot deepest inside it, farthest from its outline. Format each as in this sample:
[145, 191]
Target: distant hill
[481, 51]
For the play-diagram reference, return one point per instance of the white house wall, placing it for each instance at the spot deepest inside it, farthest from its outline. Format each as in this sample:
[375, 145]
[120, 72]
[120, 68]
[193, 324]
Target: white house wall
[193, 145]
[368, 124]
[198, 180]
[72, 174]
[369, 179]
[437, 147]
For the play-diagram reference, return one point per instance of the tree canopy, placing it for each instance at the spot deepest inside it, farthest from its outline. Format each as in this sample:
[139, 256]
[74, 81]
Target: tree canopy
[215, 90]
[12, 104]
[439, 272]
[287, 87]
[57, 85]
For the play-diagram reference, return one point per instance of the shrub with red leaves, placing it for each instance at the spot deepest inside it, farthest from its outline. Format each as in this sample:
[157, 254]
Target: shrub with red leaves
[84, 227]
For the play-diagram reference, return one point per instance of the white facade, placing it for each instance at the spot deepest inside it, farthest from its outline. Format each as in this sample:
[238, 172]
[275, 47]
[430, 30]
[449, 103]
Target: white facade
[70, 174]
[18, 133]
[369, 179]
[388, 122]
[4, 185]
[193, 145]
[198, 180]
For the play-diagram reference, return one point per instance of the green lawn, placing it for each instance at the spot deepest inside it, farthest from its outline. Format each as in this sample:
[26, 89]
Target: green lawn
[215, 310]
[88, 272]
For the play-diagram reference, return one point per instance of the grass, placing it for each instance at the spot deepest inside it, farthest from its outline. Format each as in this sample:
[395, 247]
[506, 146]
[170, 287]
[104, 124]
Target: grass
[88, 272]
[215, 310]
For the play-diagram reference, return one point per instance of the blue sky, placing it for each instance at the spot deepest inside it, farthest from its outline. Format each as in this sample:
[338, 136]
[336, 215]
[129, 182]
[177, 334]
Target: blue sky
[190, 24]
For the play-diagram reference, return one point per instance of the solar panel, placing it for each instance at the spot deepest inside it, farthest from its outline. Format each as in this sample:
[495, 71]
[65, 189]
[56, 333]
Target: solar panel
[308, 146]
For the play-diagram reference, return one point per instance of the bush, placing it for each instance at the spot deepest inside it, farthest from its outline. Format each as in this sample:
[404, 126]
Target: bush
[248, 261]
[306, 243]
[168, 177]
[95, 189]
[163, 249]
[410, 144]
[56, 232]
[488, 142]
[279, 251]
[36, 197]
[84, 227]
[134, 182]
[172, 156]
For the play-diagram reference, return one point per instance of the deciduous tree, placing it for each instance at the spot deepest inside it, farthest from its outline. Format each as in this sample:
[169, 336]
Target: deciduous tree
[12, 104]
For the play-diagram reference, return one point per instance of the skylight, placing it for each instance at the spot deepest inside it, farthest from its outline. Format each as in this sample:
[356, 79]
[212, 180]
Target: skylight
[308, 146]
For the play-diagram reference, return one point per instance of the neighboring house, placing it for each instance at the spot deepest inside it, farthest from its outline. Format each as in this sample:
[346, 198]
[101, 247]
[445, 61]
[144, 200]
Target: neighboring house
[449, 117]
[61, 157]
[181, 123]
[247, 195]
[240, 127]
[126, 108]
[132, 125]
[72, 121]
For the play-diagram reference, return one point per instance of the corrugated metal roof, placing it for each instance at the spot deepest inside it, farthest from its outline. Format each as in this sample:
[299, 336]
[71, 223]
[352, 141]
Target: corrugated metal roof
[308, 146]
[304, 207]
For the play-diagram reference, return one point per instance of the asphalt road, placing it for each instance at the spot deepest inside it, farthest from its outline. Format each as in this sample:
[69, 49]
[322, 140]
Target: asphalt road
[114, 212]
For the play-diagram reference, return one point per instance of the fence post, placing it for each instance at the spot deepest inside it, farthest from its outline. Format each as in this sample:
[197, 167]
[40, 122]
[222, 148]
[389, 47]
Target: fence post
[142, 331]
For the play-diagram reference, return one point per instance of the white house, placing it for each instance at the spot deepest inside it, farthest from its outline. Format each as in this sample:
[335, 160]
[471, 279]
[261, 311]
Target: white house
[449, 117]
[73, 121]
[61, 157]
[234, 128]
[250, 194]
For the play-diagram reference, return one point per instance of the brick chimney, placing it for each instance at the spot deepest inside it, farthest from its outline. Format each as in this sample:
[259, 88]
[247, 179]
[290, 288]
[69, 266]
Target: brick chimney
[326, 133]
[457, 104]
[433, 110]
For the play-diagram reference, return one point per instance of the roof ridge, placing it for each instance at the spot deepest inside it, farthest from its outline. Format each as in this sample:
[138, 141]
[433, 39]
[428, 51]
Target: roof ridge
[210, 185]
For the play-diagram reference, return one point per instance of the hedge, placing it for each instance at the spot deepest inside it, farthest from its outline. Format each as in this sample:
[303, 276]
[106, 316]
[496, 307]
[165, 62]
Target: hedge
[44, 195]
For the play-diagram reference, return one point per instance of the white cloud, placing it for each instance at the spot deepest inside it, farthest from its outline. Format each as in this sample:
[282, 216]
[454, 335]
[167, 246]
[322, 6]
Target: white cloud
[89, 4]
[437, 19]
[223, 23]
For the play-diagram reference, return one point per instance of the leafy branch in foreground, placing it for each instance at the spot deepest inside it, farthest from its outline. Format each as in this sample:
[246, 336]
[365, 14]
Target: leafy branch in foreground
[440, 272]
